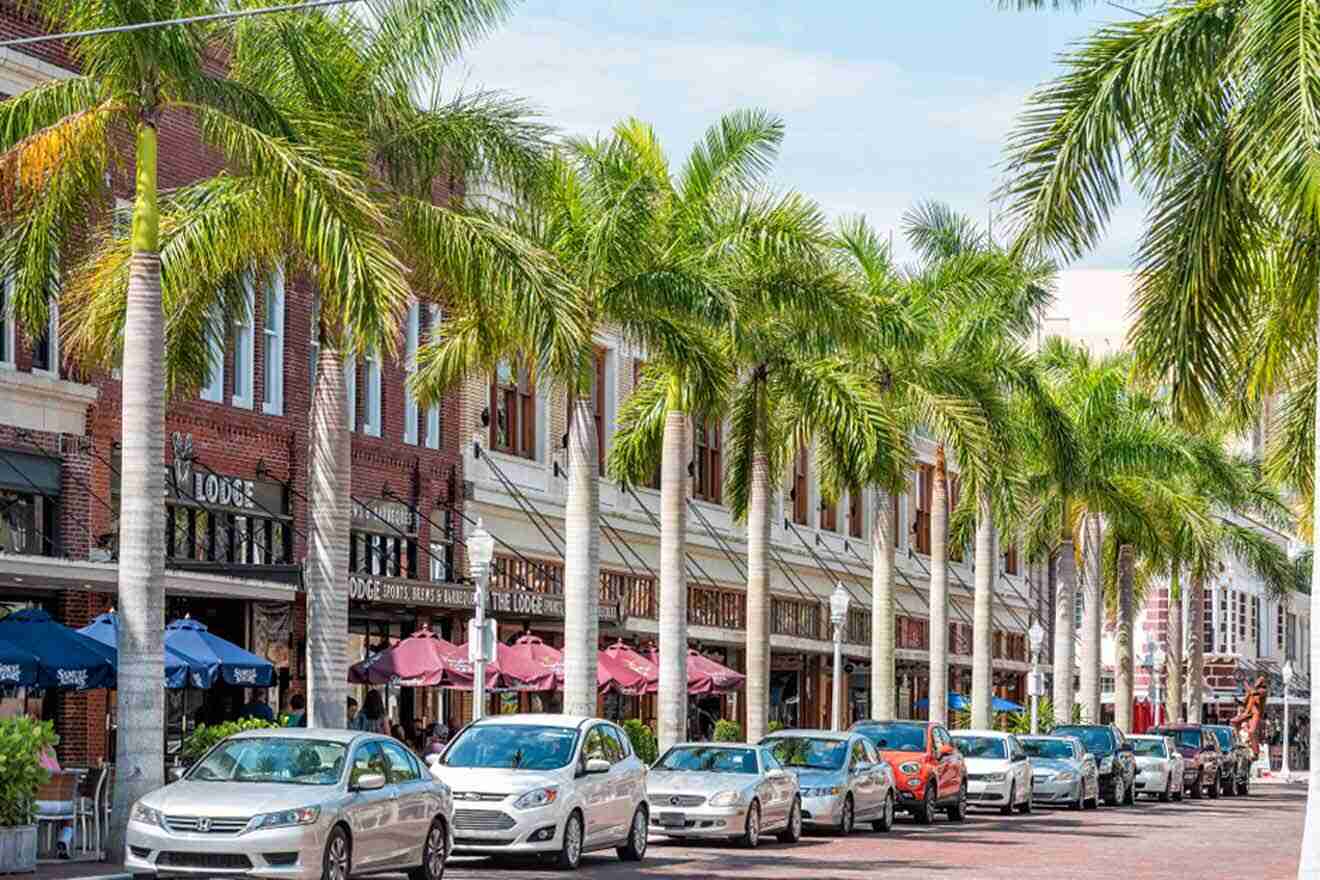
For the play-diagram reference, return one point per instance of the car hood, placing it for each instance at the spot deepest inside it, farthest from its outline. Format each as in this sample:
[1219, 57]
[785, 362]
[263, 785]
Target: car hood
[819, 778]
[678, 782]
[897, 758]
[496, 780]
[986, 765]
[1145, 761]
[1056, 765]
[232, 799]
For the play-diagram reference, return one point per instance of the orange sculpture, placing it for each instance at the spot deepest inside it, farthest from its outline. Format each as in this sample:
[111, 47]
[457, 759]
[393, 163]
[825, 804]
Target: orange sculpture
[1252, 713]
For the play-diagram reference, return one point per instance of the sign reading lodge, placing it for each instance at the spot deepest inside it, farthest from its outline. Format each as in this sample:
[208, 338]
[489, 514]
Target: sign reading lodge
[506, 603]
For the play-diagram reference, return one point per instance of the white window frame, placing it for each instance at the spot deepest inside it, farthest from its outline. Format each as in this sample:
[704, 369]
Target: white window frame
[371, 418]
[214, 389]
[272, 329]
[437, 558]
[433, 411]
[411, 336]
[52, 341]
[350, 392]
[7, 335]
[245, 347]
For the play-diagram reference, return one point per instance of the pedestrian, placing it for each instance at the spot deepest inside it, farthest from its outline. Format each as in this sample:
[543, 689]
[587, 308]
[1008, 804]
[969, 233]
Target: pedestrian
[352, 711]
[297, 711]
[257, 707]
[437, 735]
[372, 717]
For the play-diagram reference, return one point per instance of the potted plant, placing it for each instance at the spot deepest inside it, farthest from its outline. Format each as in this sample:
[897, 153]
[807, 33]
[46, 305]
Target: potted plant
[22, 741]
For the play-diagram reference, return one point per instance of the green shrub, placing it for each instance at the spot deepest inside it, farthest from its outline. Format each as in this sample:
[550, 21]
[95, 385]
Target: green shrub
[773, 726]
[199, 742]
[21, 743]
[642, 739]
[727, 731]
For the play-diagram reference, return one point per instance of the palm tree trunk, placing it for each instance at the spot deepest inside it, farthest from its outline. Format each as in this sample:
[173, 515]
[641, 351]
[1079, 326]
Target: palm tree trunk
[1195, 648]
[984, 583]
[1309, 869]
[758, 578]
[939, 592]
[1173, 653]
[1065, 585]
[329, 503]
[581, 562]
[139, 739]
[1092, 618]
[884, 685]
[673, 688]
[1123, 674]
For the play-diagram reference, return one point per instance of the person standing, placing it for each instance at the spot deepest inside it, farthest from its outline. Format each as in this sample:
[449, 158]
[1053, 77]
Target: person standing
[352, 710]
[372, 717]
[257, 707]
[297, 711]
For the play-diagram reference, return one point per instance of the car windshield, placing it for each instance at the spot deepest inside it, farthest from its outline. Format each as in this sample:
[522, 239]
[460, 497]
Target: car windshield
[1225, 738]
[1188, 739]
[709, 759]
[809, 753]
[981, 746]
[1056, 749]
[1150, 748]
[1096, 740]
[896, 737]
[272, 759]
[512, 746]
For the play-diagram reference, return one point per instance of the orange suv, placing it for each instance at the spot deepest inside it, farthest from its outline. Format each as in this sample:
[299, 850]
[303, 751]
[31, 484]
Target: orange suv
[929, 774]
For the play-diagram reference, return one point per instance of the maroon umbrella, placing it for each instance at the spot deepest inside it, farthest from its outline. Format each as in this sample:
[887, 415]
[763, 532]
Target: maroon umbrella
[529, 664]
[620, 668]
[705, 676]
[421, 660]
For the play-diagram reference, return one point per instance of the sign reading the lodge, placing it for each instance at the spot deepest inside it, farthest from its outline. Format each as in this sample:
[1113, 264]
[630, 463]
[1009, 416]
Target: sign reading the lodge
[508, 603]
[193, 486]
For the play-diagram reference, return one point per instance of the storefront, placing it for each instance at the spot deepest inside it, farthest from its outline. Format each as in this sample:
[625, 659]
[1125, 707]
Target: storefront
[29, 504]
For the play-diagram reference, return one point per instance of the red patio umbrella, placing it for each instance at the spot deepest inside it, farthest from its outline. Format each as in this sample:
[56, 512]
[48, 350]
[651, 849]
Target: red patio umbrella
[620, 668]
[421, 660]
[529, 664]
[705, 676]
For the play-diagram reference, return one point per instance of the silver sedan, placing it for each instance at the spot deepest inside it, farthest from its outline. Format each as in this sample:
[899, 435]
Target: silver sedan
[1159, 767]
[1062, 771]
[713, 790]
[843, 779]
[298, 805]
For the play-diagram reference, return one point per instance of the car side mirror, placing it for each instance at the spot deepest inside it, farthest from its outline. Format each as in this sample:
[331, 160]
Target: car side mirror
[432, 759]
[946, 750]
[369, 782]
[597, 765]
[1126, 747]
[862, 767]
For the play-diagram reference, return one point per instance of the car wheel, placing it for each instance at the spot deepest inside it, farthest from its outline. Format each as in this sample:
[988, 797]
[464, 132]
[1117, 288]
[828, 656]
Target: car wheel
[635, 848]
[752, 830]
[792, 832]
[1243, 787]
[1212, 790]
[337, 863]
[1168, 788]
[925, 814]
[1115, 794]
[1012, 794]
[1230, 786]
[434, 853]
[570, 852]
[958, 811]
[847, 817]
[886, 820]
[1080, 803]
[1182, 789]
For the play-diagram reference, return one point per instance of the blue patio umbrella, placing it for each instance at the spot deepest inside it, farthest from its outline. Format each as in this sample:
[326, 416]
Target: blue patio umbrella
[957, 702]
[68, 659]
[18, 667]
[218, 658]
[105, 629]
[999, 704]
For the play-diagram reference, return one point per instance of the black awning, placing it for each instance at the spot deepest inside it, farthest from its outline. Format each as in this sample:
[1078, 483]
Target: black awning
[25, 472]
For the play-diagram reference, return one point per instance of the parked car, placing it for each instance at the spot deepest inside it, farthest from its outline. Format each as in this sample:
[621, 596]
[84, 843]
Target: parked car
[1113, 757]
[842, 777]
[929, 773]
[296, 803]
[724, 790]
[553, 785]
[1159, 766]
[1235, 762]
[1201, 757]
[998, 770]
[1062, 772]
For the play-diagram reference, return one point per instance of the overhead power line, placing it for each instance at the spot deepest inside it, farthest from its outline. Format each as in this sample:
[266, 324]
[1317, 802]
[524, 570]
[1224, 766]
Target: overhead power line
[195, 19]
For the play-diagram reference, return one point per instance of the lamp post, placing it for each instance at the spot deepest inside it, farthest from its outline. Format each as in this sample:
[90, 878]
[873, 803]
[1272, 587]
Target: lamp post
[1286, 769]
[1036, 636]
[839, 600]
[1155, 682]
[481, 550]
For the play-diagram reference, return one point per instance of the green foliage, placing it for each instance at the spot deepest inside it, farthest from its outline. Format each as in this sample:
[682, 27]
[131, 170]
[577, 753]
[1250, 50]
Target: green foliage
[642, 739]
[199, 742]
[727, 731]
[21, 743]
[773, 726]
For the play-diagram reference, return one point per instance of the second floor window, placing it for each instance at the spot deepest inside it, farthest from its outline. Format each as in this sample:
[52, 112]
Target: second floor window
[411, 335]
[243, 349]
[925, 484]
[707, 483]
[272, 337]
[799, 492]
[1011, 559]
[372, 401]
[597, 397]
[434, 318]
[956, 551]
[829, 516]
[46, 347]
[855, 512]
[214, 389]
[513, 411]
[6, 326]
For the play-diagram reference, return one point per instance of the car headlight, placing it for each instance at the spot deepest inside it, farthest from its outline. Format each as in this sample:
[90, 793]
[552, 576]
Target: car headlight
[1065, 776]
[726, 799]
[823, 791]
[146, 815]
[285, 818]
[1106, 763]
[537, 797]
[995, 777]
[911, 768]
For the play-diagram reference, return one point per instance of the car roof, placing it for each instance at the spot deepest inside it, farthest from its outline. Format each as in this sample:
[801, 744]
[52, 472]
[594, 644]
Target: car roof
[991, 734]
[713, 745]
[897, 722]
[324, 734]
[542, 719]
[1071, 726]
[808, 733]
[1182, 725]
[1156, 736]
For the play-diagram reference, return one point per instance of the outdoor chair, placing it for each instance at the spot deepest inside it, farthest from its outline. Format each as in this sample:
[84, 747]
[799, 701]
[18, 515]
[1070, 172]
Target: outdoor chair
[57, 804]
[91, 792]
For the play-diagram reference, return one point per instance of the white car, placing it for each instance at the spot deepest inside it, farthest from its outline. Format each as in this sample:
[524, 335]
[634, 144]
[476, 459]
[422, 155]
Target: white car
[998, 770]
[1159, 766]
[298, 804]
[554, 785]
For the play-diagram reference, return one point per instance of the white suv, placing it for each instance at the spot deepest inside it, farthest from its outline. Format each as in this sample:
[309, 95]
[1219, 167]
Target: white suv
[558, 785]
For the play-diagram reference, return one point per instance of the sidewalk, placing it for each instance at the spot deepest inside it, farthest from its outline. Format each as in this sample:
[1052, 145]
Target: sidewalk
[74, 870]
[1299, 777]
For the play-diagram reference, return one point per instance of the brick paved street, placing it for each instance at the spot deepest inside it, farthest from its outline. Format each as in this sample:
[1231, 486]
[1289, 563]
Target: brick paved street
[1252, 839]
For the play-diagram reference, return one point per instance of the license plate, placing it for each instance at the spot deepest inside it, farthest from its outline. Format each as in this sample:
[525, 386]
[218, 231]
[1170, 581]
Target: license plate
[672, 820]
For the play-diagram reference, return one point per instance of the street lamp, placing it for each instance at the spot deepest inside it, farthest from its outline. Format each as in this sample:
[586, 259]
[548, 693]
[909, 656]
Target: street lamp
[1160, 658]
[1286, 770]
[1035, 686]
[481, 550]
[839, 600]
